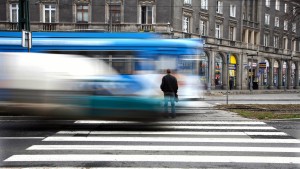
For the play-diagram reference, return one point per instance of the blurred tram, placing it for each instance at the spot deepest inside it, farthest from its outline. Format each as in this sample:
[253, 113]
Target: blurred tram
[138, 62]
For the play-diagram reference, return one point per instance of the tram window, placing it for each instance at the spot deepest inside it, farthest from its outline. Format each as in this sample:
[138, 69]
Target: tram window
[122, 61]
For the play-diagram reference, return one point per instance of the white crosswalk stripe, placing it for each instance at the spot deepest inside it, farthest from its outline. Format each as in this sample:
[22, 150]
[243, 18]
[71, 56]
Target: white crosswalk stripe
[229, 142]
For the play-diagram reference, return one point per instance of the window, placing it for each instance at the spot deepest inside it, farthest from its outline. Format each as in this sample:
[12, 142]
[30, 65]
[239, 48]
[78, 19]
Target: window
[232, 30]
[294, 10]
[268, 2]
[276, 41]
[218, 31]
[276, 21]
[188, 2]
[266, 40]
[204, 4]
[14, 12]
[285, 25]
[285, 43]
[219, 7]
[277, 5]
[146, 15]
[293, 45]
[294, 27]
[82, 13]
[285, 8]
[115, 11]
[186, 24]
[232, 10]
[267, 19]
[49, 13]
[203, 28]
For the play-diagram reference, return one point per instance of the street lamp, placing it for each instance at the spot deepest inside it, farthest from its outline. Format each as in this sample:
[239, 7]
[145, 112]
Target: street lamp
[251, 75]
[210, 48]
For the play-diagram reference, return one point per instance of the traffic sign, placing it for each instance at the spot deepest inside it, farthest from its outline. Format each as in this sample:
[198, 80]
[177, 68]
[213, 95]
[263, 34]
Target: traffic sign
[262, 65]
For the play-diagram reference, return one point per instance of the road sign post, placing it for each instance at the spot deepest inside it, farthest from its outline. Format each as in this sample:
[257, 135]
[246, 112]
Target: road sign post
[26, 39]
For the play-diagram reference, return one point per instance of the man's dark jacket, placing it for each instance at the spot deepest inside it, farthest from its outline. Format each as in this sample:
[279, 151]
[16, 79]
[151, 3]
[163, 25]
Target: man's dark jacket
[169, 84]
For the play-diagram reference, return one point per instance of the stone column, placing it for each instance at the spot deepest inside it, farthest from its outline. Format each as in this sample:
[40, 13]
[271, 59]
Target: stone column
[239, 72]
[280, 75]
[288, 75]
[271, 74]
[297, 75]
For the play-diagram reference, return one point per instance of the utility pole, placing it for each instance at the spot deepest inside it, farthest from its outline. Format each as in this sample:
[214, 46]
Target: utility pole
[24, 23]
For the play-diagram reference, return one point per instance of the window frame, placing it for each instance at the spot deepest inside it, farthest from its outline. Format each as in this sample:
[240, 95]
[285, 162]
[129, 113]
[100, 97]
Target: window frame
[219, 7]
[285, 25]
[49, 9]
[232, 10]
[187, 2]
[83, 11]
[266, 39]
[277, 22]
[267, 19]
[268, 3]
[277, 5]
[204, 4]
[203, 27]
[232, 33]
[146, 15]
[276, 41]
[186, 24]
[11, 9]
[294, 27]
[285, 8]
[218, 31]
[115, 11]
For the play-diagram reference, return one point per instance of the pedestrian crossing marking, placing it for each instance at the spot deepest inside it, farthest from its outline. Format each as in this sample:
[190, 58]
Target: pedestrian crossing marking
[172, 133]
[166, 132]
[154, 158]
[172, 122]
[164, 148]
[171, 139]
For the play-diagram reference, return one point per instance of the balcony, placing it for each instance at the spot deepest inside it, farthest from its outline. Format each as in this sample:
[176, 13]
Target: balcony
[250, 24]
[146, 28]
[49, 26]
[81, 26]
[163, 28]
[14, 26]
[232, 43]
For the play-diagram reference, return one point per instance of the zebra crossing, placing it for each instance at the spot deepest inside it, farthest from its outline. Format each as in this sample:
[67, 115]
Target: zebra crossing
[166, 143]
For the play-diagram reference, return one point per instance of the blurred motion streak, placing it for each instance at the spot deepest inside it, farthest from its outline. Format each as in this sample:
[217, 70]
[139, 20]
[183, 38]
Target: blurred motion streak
[97, 75]
[72, 86]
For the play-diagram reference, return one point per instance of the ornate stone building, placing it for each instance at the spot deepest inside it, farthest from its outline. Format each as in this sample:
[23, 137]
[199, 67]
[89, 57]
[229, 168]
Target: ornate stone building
[255, 42]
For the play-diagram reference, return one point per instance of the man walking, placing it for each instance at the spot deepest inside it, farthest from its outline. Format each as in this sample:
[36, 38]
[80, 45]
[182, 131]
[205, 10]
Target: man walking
[169, 86]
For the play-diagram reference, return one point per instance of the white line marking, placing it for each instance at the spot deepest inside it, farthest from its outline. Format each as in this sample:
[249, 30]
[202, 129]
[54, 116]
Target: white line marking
[172, 139]
[170, 122]
[20, 138]
[219, 127]
[171, 133]
[164, 148]
[266, 133]
[155, 158]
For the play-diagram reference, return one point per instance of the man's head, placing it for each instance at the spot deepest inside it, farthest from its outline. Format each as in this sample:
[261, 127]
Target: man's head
[168, 71]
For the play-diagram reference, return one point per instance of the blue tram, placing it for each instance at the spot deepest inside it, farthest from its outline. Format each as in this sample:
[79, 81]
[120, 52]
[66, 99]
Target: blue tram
[139, 60]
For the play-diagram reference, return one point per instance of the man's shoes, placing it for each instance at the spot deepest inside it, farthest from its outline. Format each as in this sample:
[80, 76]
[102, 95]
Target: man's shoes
[173, 115]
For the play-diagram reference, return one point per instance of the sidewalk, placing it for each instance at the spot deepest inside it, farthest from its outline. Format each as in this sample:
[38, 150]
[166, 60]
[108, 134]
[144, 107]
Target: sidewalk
[253, 92]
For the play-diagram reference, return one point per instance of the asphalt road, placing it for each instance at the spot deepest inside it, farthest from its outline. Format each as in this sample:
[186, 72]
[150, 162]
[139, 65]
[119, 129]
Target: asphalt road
[198, 138]
[280, 98]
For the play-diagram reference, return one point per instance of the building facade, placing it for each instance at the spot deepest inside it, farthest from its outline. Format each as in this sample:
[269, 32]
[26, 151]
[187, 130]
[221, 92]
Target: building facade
[254, 42]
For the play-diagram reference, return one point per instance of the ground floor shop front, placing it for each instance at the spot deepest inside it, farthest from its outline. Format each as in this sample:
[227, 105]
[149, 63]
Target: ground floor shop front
[239, 69]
